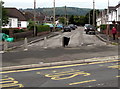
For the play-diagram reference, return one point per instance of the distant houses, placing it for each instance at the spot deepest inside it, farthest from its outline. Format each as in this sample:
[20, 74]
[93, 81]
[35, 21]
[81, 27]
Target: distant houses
[20, 19]
[110, 15]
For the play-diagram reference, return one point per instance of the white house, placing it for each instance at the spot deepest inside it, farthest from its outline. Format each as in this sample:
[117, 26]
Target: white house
[16, 19]
[109, 15]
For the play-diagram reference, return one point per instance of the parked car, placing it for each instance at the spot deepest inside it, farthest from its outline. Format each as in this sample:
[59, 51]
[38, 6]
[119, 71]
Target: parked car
[85, 27]
[72, 26]
[59, 26]
[90, 29]
[67, 29]
[5, 37]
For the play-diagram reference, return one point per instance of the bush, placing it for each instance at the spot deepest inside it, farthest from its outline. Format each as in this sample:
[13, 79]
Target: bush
[42, 28]
[5, 30]
[18, 30]
[103, 26]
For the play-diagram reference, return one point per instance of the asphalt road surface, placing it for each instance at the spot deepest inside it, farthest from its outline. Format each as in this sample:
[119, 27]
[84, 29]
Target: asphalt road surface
[81, 46]
[96, 74]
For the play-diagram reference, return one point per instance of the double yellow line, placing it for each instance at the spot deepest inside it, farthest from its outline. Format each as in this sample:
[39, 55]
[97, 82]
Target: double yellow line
[8, 82]
[54, 67]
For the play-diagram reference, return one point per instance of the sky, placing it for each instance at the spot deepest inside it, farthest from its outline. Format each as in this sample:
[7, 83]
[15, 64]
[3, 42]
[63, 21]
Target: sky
[99, 4]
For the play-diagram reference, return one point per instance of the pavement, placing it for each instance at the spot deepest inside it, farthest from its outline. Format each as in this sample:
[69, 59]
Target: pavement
[105, 38]
[30, 40]
[18, 44]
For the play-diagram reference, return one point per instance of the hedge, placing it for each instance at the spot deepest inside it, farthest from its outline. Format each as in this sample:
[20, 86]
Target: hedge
[5, 30]
[42, 28]
[103, 26]
[18, 30]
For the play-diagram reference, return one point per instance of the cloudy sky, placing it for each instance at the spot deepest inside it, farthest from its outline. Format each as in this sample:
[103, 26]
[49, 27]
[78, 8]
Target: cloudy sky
[99, 4]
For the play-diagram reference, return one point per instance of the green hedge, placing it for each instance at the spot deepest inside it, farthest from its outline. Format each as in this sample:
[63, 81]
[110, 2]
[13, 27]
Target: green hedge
[5, 30]
[103, 26]
[42, 28]
[18, 30]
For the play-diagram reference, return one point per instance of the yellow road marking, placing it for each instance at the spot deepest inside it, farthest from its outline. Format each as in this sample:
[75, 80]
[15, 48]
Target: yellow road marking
[82, 82]
[7, 79]
[118, 76]
[8, 82]
[11, 85]
[67, 72]
[53, 67]
[71, 74]
[115, 66]
[38, 72]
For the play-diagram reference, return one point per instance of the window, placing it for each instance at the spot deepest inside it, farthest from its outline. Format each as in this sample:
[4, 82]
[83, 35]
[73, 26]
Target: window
[19, 24]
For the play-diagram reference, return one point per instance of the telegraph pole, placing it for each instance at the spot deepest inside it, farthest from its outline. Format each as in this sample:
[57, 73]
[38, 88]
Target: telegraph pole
[54, 15]
[1, 16]
[93, 12]
[108, 24]
[34, 32]
[65, 15]
[89, 18]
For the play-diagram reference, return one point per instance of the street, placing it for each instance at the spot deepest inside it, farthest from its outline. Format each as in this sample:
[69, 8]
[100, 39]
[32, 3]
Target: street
[81, 47]
[77, 38]
[95, 74]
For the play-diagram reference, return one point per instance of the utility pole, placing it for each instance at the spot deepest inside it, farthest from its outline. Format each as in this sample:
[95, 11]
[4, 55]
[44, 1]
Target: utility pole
[1, 16]
[66, 22]
[54, 15]
[89, 18]
[93, 12]
[108, 24]
[34, 32]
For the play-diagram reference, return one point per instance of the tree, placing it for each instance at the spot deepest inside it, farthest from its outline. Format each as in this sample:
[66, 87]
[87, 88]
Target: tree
[62, 20]
[91, 16]
[71, 20]
[4, 15]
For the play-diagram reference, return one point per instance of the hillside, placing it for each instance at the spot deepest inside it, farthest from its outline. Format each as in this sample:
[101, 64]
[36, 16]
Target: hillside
[61, 11]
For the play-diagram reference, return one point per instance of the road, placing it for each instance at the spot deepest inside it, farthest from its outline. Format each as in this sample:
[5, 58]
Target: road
[81, 46]
[95, 74]
[77, 38]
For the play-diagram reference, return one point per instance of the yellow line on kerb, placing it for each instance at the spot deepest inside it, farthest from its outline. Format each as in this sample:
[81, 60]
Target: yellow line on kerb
[53, 67]
[82, 82]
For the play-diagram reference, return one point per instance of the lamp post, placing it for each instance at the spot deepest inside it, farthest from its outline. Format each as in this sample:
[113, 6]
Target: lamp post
[54, 15]
[34, 32]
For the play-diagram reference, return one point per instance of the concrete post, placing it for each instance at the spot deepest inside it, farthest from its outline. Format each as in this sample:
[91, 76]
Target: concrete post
[5, 45]
[45, 42]
[25, 44]
[81, 42]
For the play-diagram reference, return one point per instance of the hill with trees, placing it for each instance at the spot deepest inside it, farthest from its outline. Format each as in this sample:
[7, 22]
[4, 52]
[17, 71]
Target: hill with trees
[61, 11]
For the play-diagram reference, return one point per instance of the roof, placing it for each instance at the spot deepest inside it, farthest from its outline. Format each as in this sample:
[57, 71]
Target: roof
[13, 12]
[29, 15]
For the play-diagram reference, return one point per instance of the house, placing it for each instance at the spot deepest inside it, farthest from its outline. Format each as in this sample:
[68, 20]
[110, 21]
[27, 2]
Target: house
[16, 18]
[20, 19]
[30, 16]
[110, 15]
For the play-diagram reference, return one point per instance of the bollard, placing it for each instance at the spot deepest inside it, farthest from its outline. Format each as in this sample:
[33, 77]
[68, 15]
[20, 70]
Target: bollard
[25, 44]
[5, 45]
[45, 42]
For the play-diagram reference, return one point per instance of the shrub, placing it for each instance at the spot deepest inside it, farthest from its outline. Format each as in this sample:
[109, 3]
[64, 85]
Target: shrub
[103, 26]
[42, 28]
[5, 30]
[18, 30]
